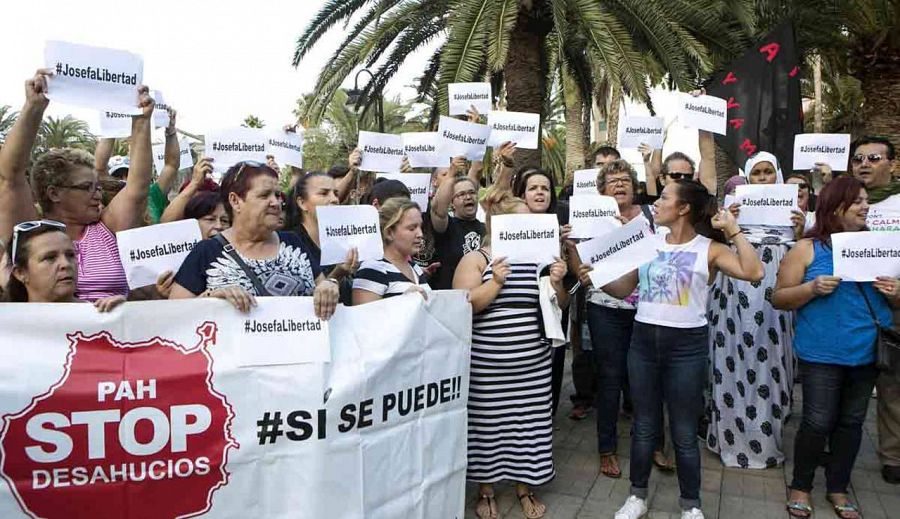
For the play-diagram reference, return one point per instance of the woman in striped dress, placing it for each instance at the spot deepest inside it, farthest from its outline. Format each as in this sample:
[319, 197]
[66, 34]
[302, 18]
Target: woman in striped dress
[510, 426]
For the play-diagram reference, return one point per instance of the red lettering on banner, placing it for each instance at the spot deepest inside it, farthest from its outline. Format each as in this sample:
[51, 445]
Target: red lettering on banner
[748, 147]
[736, 123]
[134, 427]
[729, 78]
[771, 50]
[794, 71]
[732, 103]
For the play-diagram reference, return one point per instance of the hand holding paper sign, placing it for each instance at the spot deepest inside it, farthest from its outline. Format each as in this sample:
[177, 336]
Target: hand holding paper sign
[767, 204]
[618, 252]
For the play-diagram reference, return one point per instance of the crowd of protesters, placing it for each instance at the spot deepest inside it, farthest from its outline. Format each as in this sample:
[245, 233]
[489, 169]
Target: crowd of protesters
[709, 337]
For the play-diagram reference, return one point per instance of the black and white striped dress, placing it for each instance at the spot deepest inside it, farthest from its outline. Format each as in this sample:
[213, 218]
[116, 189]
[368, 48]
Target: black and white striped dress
[510, 427]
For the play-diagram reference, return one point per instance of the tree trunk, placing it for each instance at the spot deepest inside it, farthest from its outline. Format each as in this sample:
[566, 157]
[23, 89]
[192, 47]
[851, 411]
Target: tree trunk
[598, 120]
[574, 124]
[817, 87]
[725, 169]
[612, 126]
[881, 110]
[526, 77]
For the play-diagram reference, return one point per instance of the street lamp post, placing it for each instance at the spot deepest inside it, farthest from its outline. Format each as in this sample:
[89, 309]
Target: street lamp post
[353, 100]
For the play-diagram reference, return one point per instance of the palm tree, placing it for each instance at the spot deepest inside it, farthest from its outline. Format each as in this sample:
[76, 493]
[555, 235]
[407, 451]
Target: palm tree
[7, 118]
[639, 43]
[64, 132]
[252, 121]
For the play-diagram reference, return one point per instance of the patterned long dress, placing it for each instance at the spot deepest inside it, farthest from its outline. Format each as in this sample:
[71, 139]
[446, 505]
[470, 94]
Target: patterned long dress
[752, 361]
[510, 427]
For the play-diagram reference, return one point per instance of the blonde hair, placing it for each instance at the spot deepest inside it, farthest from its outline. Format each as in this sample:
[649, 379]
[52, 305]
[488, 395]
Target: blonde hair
[497, 201]
[392, 212]
[52, 169]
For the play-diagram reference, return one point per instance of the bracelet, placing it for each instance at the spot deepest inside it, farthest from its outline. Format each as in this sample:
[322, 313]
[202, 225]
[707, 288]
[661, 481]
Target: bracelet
[729, 238]
[333, 280]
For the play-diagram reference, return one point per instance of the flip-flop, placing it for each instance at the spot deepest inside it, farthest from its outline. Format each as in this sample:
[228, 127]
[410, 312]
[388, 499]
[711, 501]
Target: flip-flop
[795, 507]
[612, 469]
[491, 506]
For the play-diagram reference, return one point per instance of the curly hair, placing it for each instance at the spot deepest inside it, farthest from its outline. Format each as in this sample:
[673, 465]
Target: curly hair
[617, 166]
[52, 169]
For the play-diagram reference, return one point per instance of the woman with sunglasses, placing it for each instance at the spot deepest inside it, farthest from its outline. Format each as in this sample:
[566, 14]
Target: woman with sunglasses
[750, 341]
[252, 258]
[44, 268]
[68, 190]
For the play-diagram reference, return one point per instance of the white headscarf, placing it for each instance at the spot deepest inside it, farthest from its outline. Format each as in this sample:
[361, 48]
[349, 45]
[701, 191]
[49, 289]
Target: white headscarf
[763, 156]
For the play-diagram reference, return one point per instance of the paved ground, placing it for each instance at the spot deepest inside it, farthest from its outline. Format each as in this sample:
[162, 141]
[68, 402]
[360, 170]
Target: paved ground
[580, 491]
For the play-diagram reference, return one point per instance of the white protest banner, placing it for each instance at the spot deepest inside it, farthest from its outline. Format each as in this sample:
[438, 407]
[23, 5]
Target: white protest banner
[185, 160]
[766, 204]
[462, 96]
[592, 215]
[282, 330]
[94, 77]
[425, 150]
[704, 113]
[380, 151]
[525, 238]
[342, 227]
[831, 148]
[160, 110]
[147, 252]
[521, 128]
[115, 125]
[419, 185]
[635, 131]
[464, 138]
[866, 255]
[884, 216]
[585, 182]
[286, 147]
[378, 432]
[229, 146]
[619, 252]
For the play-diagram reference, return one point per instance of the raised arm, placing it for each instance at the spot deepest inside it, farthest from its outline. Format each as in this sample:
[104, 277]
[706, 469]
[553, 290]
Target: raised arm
[504, 165]
[468, 277]
[440, 204]
[707, 167]
[172, 157]
[102, 154]
[175, 210]
[652, 167]
[745, 264]
[16, 199]
[126, 209]
[345, 184]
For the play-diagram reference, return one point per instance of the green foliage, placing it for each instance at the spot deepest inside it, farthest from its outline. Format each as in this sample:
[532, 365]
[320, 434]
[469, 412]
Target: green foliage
[252, 121]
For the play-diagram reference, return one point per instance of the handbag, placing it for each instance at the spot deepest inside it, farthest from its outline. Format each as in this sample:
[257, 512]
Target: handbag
[887, 342]
[228, 248]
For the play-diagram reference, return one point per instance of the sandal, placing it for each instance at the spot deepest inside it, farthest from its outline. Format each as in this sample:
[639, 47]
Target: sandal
[534, 512]
[609, 466]
[662, 462]
[487, 507]
[843, 509]
[799, 509]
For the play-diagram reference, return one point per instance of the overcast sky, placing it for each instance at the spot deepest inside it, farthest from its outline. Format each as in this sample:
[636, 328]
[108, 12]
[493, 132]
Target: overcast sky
[215, 61]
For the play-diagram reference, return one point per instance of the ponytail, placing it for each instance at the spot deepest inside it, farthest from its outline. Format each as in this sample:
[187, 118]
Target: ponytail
[703, 208]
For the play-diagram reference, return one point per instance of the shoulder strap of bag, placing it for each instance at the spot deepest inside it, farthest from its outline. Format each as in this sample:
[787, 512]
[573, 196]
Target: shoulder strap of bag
[228, 248]
[868, 305]
[648, 214]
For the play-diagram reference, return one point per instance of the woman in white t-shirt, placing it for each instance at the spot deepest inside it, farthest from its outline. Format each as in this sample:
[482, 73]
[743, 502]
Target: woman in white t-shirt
[668, 356]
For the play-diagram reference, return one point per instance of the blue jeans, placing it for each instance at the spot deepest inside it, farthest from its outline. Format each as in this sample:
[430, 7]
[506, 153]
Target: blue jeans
[610, 338]
[835, 399]
[668, 365]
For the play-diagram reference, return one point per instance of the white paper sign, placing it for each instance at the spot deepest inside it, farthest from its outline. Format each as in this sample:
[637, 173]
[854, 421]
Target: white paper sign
[585, 182]
[419, 185]
[286, 147]
[866, 255]
[729, 201]
[464, 138]
[160, 110]
[94, 77]
[229, 146]
[635, 131]
[592, 215]
[619, 252]
[464, 95]
[766, 204]
[521, 128]
[425, 150]
[342, 227]
[147, 252]
[704, 113]
[282, 330]
[185, 160]
[525, 238]
[115, 125]
[885, 215]
[830, 148]
[380, 151]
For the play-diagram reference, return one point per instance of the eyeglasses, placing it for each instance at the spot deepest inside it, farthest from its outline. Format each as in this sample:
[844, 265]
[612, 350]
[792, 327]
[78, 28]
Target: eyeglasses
[874, 158]
[26, 227]
[622, 181]
[465, 194]
[89, 187]
[680, 176]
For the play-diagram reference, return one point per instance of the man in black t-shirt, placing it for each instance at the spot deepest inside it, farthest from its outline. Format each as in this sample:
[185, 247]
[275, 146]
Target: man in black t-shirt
[457, 235]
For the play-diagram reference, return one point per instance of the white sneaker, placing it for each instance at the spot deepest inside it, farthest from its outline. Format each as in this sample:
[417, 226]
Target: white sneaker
[693, 513]
[634, 508]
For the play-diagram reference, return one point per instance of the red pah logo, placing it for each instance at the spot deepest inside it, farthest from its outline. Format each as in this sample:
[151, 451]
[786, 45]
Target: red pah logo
[132, 428]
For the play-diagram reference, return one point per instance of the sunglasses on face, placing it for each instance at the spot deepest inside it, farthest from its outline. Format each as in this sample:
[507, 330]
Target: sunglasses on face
[27, 227]
[680, 176]
[873, 158]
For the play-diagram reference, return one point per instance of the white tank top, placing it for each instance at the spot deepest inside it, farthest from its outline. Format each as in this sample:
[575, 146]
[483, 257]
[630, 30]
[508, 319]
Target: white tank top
[674, 287]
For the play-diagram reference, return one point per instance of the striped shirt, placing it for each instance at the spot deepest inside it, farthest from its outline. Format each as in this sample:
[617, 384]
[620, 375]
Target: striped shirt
[100, 272]
[383, 278]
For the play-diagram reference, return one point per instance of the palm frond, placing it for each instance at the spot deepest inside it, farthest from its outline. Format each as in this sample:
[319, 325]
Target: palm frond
[501, 22]
[333, 12]
[464, 50]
